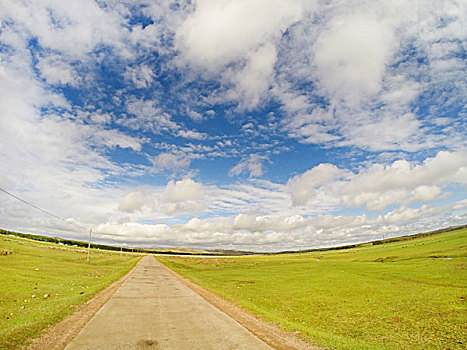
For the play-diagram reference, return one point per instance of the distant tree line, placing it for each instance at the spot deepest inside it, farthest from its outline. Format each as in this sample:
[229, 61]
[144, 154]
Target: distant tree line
[418, 235]
[69, 242]
[377, 242]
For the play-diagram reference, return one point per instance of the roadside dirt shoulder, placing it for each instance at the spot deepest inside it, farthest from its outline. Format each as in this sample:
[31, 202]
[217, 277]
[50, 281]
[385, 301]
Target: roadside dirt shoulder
[58, 336]
[271, 334]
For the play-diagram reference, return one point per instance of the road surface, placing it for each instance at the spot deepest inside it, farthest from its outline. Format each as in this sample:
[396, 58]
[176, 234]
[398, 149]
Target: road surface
[154, 310]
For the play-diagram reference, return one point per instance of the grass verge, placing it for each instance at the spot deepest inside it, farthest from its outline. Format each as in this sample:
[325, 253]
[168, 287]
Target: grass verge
[401, 295]
[41, 283]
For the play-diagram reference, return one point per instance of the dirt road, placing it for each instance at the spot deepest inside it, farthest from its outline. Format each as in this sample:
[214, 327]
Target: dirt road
[155, 310]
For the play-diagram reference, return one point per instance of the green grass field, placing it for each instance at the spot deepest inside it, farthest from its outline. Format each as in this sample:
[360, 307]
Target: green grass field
[29, 270]
[403, 295]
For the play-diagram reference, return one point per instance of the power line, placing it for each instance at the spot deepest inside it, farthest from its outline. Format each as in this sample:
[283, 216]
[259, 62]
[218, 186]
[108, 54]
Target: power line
[56, 216]
[42, 210]
[61, 219]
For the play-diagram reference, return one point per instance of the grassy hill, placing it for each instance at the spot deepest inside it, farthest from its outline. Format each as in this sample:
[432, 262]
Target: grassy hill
[42, 282]
[164, 251]
[403, 294]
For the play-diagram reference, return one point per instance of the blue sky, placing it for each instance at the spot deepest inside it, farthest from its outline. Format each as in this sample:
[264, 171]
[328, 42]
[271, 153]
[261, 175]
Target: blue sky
[246, 124]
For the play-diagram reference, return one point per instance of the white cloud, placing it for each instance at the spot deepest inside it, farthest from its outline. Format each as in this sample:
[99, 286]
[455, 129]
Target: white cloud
[461, 176]
[147, 116]
[236, 40]
[252, 164]
[172, 162]
[74, 27]
[197, 117]
[219, 32]
[425, 193]
[377, 201]
[256, 196]
[55, 71]
[401, 91]
[183, 190]
[192, 134]
[100, 118]
[113, 138]
[182, 208]
[282, 232]
[177, 197]
[386, 133]
[351, 57]
[142, 75]
[133, 201]
[184, 196]
[279, 230]
[365, 66]
[303, 187]
[272, 223]
[54, 160]
[405, 174]
[404, 214]
[379, 186]
[338, 222]
[255, 78]
[402, 181]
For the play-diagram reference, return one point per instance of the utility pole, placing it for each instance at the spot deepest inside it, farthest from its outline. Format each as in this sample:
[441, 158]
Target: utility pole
[89, 245]
[121, 249]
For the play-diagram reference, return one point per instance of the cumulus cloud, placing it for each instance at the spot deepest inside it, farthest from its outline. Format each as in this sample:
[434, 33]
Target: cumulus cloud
[405, 174]
[271, 223]
[177, 197]
[183, 190]
[370, 66]
[256, 76]
[379, 185]
[351, 57]
[237, 40]
[133, 201]
[219, 32]
[404, 214]
[184, 196]
[303, 187]
[425, 193]
[282, 232]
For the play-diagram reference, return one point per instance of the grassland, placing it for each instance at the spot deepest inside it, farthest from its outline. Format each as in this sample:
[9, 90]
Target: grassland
[402, 295]
[30, 270]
